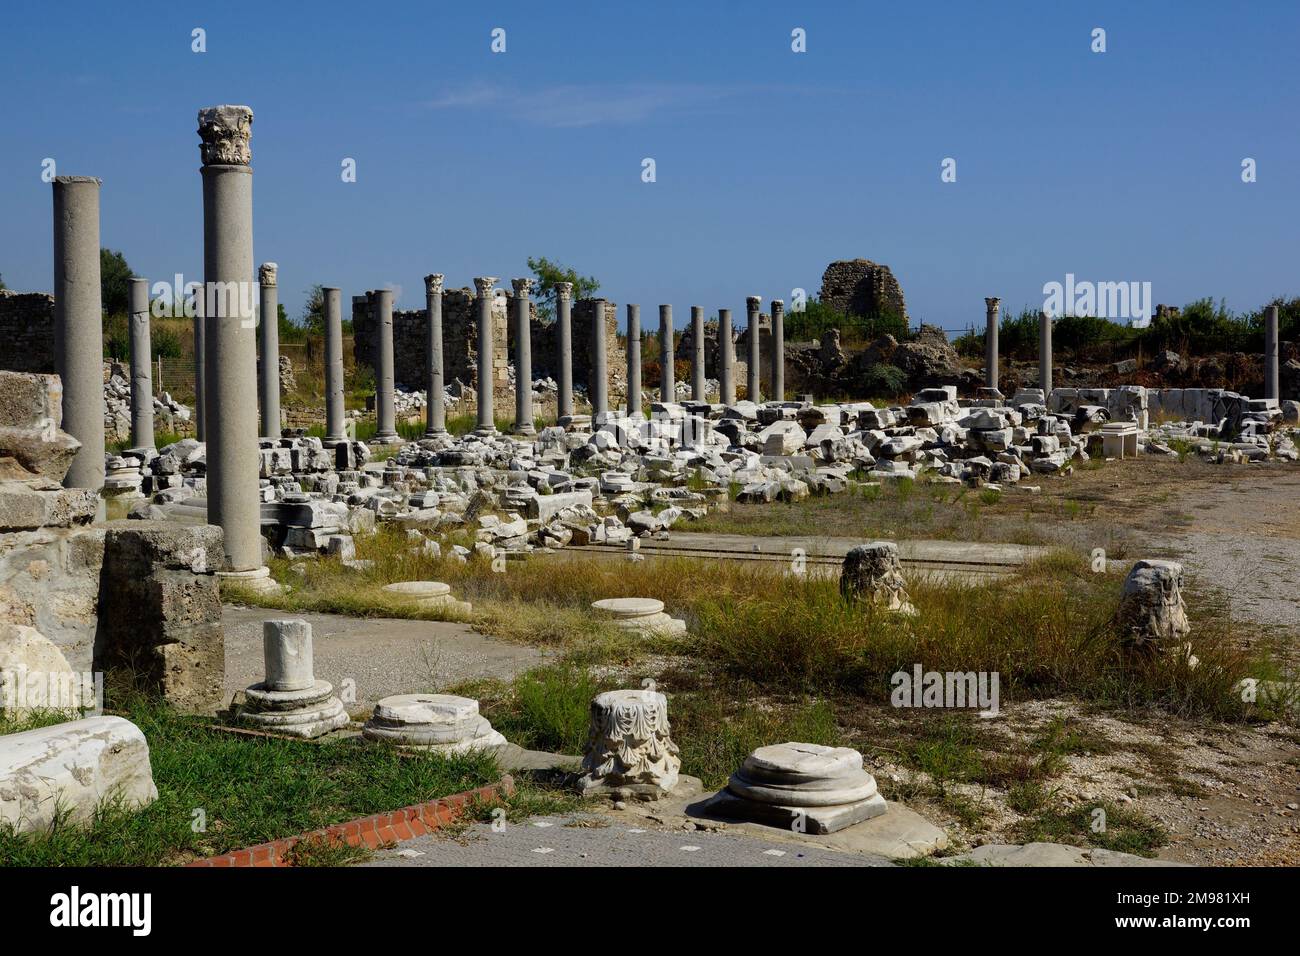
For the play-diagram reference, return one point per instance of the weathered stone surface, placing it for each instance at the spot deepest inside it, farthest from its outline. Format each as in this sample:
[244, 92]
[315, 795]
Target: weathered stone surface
[76, 766]
[863, 288]
[30, 669]
[629, 752]
[1152, 614]
[437, 722]
[872, 573]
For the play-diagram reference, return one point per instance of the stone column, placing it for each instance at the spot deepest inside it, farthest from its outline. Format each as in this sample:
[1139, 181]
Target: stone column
[726, 373]
[564, 346]
[141, 367]
[486, 422]
[598, 371]
[335, 428]
[200, 359]
[1270, 354]
[234, 502]
[523, 359]
[385, 416]
[435, 408]
[699, 387]
[778, 350]
[270, 341]
[634, 360]
[991, 341]
[1045, 354]
[753, 385]
[668, 377]
[79, 324]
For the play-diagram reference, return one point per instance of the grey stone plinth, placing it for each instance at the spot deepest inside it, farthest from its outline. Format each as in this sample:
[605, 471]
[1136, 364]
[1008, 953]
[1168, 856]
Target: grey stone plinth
[141, 366]
[73, 768]
[78, 324]
[436, 722]
[425, 594]
[643, 616]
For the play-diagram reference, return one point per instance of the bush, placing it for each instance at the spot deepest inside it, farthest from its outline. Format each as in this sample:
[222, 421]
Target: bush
[165, 344]
[883, 381]
[817, 319]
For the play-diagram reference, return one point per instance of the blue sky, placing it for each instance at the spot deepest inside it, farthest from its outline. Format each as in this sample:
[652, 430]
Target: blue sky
[1118, 166]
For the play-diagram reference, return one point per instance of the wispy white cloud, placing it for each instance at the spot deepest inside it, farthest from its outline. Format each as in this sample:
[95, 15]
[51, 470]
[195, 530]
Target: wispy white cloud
[570, 106]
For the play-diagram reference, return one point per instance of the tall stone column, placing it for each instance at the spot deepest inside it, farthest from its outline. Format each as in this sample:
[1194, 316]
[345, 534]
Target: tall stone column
[385, 413]
[523, 359]
[634, 360]
[200, 360]
[270, 342]
[486, 422]
[726, 371]
[141, 366]
[699, 386]
[564, 346]
[79, 324]
[1045, 353]
[778, 350]
[598, 371]
[335, 425]
[668, 375]
[753, 385]
[435, 408]
[1271, 389]
[234, 502]
[991, 304]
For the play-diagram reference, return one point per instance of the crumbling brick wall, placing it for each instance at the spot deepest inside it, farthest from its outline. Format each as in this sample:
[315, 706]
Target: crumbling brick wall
[27, 331]
[863, 288]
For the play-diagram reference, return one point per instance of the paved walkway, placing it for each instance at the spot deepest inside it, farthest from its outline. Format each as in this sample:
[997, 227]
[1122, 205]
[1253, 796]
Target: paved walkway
[382, 656]
[595, 840]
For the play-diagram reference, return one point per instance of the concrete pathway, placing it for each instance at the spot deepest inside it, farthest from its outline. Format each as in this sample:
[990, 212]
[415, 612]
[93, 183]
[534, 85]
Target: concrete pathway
[382, 656]
[597, 840]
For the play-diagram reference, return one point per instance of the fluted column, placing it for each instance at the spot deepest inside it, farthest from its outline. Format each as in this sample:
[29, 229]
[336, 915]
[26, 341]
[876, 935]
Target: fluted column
[598, 371]
[523, 359]
[483, 287]
[234, 502]
[435, 409]
[753, 381]
[79, 324]
[699, 380]
[726, 356]
[1045, 353]
[991, 304]
[385, 404]
[1271, 389]
[634, 360]
[270, 341]
[564, 346]
[778, 350]
[334, 417]
[668, 375]
[141, 366]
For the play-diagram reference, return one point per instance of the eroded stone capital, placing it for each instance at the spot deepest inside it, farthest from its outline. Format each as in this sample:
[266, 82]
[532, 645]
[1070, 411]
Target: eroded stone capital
[433, 284]
[564, 290]
[753, 302]
[483, 285]
[522, 286]
[266, 274]
[225, 131]
[778, 307]
[992, 302]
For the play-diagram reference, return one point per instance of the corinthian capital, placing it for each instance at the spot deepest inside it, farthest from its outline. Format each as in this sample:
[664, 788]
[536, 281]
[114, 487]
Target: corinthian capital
[433, 284]
[225, 132]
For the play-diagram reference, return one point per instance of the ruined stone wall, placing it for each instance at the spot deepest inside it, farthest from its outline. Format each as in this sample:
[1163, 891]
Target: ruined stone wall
[582, 328]
[27, 331]
[863, 288]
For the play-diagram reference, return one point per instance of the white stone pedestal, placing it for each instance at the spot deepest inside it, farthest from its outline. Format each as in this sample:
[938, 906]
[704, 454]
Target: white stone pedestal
[644, 617]
[438, 722]
[291, 700]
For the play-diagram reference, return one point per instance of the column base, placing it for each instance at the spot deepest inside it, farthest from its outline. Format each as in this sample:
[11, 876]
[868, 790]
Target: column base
[487, 431]
[258, 579]
[524, 430]
[393, 439]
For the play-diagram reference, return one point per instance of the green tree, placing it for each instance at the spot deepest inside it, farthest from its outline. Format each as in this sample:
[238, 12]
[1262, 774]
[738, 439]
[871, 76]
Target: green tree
[2, 283]
[114, 281]
[548, 274]
[313, 311]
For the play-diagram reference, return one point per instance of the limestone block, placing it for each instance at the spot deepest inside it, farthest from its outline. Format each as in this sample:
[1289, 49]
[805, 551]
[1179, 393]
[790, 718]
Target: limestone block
[435, 722]
[76, 766]
[34, 673]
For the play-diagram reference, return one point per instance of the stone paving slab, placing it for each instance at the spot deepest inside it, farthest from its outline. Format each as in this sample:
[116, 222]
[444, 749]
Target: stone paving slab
[602, 841]
[383, 656]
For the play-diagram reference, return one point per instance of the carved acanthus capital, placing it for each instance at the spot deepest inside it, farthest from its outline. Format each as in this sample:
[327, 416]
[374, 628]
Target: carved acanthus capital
[266, 274]
[564, 290]
[433, 284]
[225, 131]
[522, 286]
[483, 285]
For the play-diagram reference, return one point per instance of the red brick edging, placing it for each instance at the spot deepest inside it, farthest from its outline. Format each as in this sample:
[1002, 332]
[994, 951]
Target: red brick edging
[371, 831]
